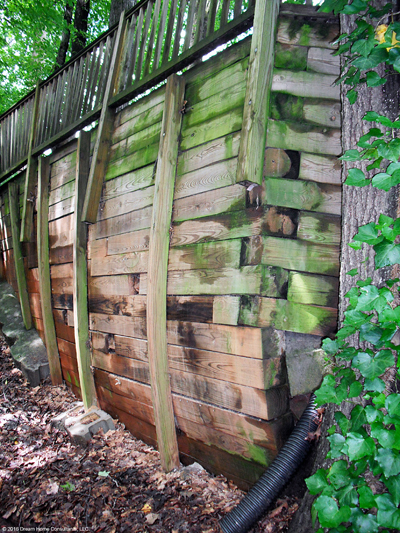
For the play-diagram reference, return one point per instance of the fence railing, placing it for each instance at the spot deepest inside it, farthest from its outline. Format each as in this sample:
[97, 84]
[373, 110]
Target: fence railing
[160, 37]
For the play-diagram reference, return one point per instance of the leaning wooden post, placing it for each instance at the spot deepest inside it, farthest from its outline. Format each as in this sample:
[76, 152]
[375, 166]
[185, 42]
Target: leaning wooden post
[44, 271]
[17, 252]
[256, 103]
[103, 140]
[157, 274]
[80, 294]
[27, 206]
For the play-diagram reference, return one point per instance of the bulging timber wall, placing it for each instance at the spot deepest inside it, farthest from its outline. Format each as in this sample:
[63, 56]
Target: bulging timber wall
[252, 267]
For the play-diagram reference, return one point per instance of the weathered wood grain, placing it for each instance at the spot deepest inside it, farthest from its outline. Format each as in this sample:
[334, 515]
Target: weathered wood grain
[133, 305]
[44, 272]
[221, 174]
[303, 195]
[323, 229]
[223, 254]
[226, 310]
[119, 325]
[293, 136]
[317, 34]
[231, 198]
[301, 83]
[126, 203]
[139, 179]
[134, 241]
[129, 263]
[259, 78]
[322, 60]
[199, 157]
[314, 290]
[322, 169]
[17, 255]
[133, 221]
[124, 284]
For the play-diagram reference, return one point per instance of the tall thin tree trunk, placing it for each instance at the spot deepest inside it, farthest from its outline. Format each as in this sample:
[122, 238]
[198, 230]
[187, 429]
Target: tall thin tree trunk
[359, 206]
[63, 49]
[80, 26]
[117, 6]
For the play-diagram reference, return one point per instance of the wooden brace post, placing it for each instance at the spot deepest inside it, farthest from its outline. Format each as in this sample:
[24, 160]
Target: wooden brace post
[44, 271]
[256, 103]
[157, 273]
[80, 296]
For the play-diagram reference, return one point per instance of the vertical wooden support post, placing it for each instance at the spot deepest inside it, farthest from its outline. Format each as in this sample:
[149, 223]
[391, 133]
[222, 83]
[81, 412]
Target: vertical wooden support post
[259, 80]
[17, 251]
[27, 206]
[80, 294]
[44, 271]
[104, 130]
[157, 273]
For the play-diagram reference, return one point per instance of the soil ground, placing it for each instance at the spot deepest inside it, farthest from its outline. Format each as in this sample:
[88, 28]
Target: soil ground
[114, 485]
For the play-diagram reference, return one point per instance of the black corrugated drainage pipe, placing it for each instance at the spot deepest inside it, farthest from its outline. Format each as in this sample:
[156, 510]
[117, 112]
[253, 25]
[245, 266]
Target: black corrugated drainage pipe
[257, 500]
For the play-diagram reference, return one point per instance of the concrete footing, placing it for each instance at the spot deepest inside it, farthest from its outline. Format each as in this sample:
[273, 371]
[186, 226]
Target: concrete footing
[81, 425]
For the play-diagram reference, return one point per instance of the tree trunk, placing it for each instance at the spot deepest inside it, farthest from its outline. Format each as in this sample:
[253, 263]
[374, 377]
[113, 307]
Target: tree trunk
[63, 49]
[80, 26]
[359, 206]
[117, 6]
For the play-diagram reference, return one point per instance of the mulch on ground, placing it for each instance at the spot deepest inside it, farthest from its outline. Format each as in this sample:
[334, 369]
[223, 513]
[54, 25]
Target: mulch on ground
[113, 485]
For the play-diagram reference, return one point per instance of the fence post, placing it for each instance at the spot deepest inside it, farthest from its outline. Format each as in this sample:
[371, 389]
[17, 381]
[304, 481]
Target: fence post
[157, 273]
[103, 139]
[256, 103]
[44, 271]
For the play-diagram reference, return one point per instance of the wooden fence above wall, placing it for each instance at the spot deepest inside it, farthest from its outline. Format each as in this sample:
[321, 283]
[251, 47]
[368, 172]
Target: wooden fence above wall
[161, 37]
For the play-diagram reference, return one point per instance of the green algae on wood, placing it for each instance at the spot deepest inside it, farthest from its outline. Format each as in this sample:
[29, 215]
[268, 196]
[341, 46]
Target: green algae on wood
[312, 289]
[290, 57]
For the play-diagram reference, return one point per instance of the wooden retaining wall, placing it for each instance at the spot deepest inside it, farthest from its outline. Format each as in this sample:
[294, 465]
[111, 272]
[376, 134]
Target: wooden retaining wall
[250, 266]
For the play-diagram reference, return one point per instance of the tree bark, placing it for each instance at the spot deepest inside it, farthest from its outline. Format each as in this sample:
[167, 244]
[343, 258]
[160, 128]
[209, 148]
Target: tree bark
[80, 26]
[359, 206]
[63, 49]
[117, 6]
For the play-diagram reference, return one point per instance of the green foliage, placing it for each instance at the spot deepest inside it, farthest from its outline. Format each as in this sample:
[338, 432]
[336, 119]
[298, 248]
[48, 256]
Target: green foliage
[367, 441]
[30, 34]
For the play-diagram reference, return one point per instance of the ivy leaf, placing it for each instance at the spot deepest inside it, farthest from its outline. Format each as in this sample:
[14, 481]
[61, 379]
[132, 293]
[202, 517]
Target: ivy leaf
[347, 495]
[372, 367]
[384, 181]
[389, 461]
[363, 46]
[374, 80]
[387, 253]
[368, 233]
[371, 333]
[329, 514]
[343, 422]
[358, 418]
[367, 498]
[363, 523]
[357, 178]
[355, 318]
[317, 482]
[393, 484]
[351, 155]
[374, 385]
[372, 298]
[357, 447]
[392, 405]
[330, 347]
[355, 7]
[387, 515]
[336, 442]
[355, 389]
[377, 56]
[371, 116]
[352, 96]
[390, 150]
[339, 474]
[352, 272]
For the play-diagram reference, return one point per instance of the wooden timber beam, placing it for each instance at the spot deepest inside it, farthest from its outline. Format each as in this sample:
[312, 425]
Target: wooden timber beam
[27, 206]
[157, 273]
[80, 296]
[44, 271]
[17, 252]
[256, 103]
[103, 140]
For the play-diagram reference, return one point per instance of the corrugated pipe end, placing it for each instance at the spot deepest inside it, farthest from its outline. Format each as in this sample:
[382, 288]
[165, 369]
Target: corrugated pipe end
[258, 499]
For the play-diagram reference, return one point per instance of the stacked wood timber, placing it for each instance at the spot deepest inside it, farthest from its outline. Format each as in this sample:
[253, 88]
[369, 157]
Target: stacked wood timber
[249, 264]
[61, 220]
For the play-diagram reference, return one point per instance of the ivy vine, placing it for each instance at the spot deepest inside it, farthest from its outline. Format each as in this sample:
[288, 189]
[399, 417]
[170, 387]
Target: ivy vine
[366, 445]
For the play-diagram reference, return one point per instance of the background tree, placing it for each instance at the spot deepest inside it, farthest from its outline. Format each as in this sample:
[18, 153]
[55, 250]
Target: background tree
[360, 205]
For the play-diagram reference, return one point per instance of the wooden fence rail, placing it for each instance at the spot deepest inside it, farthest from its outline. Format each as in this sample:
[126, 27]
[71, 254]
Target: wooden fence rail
[160, 37]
